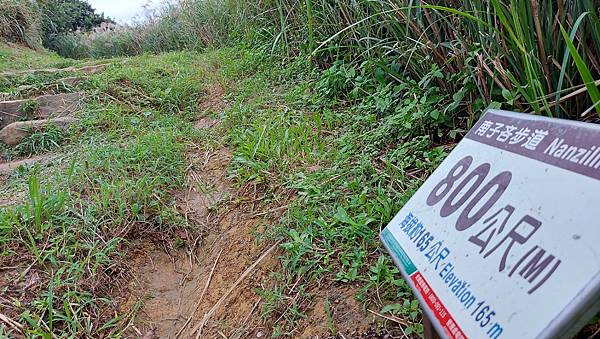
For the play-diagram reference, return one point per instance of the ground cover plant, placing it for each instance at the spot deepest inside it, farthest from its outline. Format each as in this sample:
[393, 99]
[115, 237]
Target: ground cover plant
[351, 170]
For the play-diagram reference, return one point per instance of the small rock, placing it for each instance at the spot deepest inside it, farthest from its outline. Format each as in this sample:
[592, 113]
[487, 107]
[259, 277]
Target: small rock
[260, 334]
[8, 167]
[94, 69]
[14, 133]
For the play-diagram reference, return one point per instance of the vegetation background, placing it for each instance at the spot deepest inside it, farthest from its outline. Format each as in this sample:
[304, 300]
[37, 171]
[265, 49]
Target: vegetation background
[366, 98]
[530, 56]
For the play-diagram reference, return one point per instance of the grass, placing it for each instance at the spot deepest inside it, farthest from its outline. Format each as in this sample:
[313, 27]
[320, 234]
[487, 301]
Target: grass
[127, 154]
[342, 163]
[508, 52]
[347, 169]
[20, 22]
[41, 141]
[75, 251]
[68, 238]
[16, 57]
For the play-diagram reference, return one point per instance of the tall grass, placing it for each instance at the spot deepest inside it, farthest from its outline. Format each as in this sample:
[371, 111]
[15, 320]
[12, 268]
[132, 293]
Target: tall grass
[189, 25]
[512, 50]
[20, 22]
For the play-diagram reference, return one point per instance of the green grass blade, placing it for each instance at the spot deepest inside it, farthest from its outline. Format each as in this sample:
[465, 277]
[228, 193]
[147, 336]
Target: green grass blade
[311, 38]
[584, 71]
[563, 68]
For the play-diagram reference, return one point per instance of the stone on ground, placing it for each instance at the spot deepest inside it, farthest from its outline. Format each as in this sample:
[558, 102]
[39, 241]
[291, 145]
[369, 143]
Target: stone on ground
[14, 133]
[8, 167]
[94, 69]
[90, 69]
[43, 107]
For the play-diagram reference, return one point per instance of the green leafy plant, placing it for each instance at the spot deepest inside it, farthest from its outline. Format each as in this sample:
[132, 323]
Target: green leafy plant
[47, 139]
[328, 314]
[29, 107]
[586, 75]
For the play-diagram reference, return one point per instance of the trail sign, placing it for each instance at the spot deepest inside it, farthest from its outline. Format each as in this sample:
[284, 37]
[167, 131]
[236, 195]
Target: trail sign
[503, 239]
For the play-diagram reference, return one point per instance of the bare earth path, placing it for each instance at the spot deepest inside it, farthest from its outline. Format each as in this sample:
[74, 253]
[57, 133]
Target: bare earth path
[211, 292]
[173, 287]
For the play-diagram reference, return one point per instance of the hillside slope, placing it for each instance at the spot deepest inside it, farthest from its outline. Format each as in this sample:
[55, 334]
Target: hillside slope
[214, 194]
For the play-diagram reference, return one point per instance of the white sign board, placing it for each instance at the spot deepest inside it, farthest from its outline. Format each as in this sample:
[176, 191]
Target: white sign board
[503, 239]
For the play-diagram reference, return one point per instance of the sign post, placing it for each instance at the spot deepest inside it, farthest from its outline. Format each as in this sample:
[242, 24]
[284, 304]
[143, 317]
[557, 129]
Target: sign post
[503, 239]
[428, 329]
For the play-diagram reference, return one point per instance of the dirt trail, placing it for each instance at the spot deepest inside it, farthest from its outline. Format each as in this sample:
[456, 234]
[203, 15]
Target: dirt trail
[177, 290]
[174, 291]
[171, 285]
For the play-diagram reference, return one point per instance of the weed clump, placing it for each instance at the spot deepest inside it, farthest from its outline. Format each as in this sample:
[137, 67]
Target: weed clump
[20, 22]
[44, 140]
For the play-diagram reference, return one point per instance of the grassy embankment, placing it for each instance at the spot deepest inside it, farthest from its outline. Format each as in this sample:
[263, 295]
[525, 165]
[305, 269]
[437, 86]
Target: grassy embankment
[63, 244]
[532, 56]
[348, 169]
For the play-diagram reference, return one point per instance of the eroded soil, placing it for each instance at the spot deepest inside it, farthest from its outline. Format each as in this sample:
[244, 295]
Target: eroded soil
[177, 289]
[172, 287]
[211, 292]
